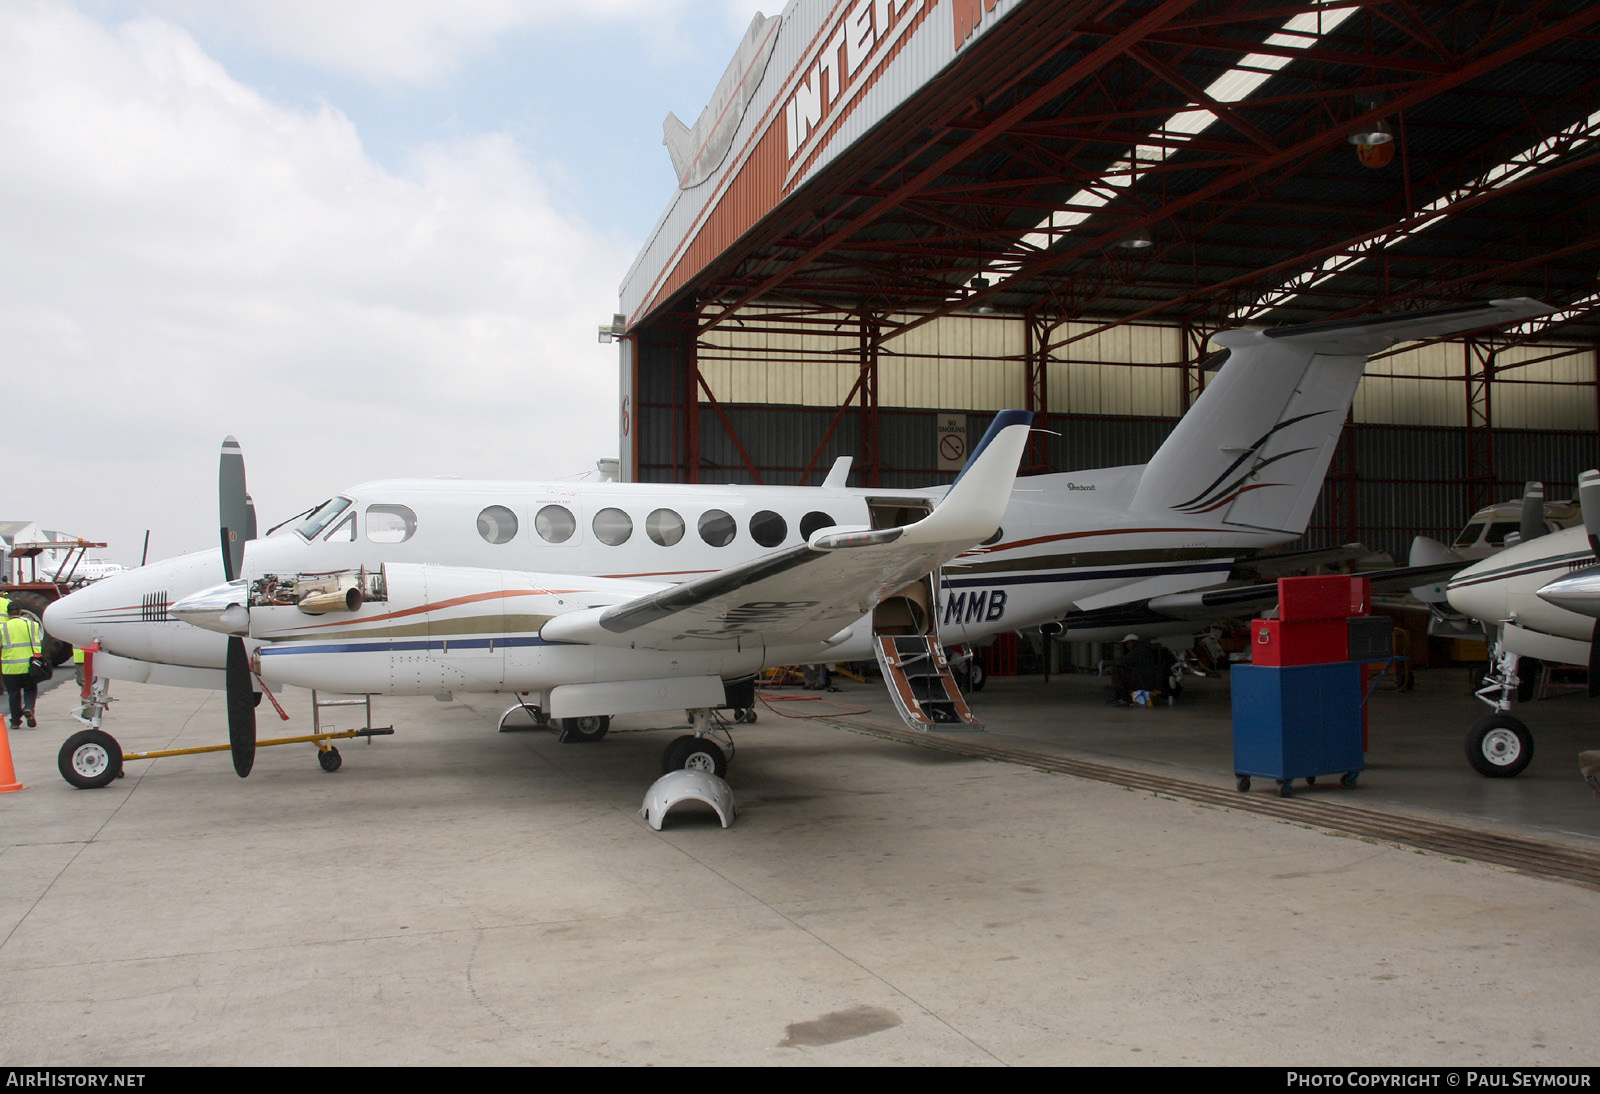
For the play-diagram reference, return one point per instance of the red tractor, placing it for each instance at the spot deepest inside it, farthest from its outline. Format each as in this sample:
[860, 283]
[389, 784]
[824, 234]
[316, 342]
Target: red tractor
[36, 593]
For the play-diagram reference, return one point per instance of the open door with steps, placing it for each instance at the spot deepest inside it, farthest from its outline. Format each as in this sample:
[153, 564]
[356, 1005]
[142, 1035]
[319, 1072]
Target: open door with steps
[905, 636]
[919, 678]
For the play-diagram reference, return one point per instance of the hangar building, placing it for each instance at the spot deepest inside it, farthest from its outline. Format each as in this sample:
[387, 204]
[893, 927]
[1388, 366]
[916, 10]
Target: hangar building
[898, 216]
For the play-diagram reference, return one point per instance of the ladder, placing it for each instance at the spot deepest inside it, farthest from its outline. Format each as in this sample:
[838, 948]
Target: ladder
[919, 678]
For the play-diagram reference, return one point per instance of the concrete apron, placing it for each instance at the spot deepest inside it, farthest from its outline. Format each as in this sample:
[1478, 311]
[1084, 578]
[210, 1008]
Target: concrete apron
[454, 895]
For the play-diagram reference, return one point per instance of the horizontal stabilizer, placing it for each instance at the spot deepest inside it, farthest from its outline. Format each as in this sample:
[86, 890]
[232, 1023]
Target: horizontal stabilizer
[1373, 334]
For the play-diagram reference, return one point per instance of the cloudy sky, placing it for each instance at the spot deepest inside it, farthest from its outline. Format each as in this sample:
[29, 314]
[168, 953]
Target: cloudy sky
[370, 238]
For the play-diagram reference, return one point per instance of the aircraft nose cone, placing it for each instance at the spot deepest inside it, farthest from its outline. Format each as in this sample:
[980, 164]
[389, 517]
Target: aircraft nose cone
[1577, 592]
[220, 608]
[1472, 595]
[65, 619]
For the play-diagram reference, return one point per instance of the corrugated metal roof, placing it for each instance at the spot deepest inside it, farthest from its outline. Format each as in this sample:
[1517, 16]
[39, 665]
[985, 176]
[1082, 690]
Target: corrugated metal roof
[949, 157]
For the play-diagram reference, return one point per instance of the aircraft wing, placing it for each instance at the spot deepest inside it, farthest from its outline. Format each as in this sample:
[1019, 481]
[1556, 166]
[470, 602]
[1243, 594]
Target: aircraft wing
[1284, 563]
[812, 592]
[1238, 600]
[1161, 614]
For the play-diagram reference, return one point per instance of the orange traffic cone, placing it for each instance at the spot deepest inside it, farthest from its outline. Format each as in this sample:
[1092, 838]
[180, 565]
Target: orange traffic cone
[8, 773]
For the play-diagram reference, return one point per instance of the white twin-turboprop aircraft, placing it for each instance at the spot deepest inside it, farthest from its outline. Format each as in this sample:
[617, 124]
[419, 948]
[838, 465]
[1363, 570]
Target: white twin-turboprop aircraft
[1539, 603]
[605, 598]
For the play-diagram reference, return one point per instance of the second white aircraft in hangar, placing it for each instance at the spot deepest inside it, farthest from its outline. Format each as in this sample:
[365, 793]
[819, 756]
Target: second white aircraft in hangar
[605, 598]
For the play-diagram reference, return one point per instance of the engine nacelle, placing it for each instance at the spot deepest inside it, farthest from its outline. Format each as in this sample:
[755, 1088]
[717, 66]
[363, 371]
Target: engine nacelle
[423, 629]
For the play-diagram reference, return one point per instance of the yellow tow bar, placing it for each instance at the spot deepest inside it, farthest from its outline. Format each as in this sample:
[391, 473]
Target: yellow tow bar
[93, 758]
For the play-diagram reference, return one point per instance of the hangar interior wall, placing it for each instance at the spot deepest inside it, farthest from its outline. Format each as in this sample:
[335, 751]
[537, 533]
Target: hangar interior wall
[775, 396]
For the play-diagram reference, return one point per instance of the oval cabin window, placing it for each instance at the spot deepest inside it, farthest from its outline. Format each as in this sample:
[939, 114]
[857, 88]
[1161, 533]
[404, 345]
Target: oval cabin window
[555, 523]
[612, 527]
[717, 528]
[814, 521]
[497, 524]
[768, 528]
[664, 527]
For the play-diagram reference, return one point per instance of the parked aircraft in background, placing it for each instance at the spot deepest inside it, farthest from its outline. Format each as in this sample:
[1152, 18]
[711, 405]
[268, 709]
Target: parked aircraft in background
[581, 592]
[1488, 531]
[1095, 554]
[1535, 600]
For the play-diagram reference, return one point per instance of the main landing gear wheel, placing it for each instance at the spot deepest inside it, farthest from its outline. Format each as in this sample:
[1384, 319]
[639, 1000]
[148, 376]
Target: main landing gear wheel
[695, 754]
[330, 760]
[1499, 746]
[584, 730]
[90, 759]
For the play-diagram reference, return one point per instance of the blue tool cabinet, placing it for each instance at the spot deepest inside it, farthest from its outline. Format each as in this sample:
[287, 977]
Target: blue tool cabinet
[1298, 722]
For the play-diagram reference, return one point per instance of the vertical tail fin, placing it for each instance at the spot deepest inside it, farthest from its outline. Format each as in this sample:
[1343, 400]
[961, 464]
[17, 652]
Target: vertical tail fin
[1256, 445]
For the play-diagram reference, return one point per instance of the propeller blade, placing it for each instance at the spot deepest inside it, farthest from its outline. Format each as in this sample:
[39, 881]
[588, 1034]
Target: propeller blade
[1532, 525]
[1589, 502]
[1594, 660]
[235, 511]
[241, 708]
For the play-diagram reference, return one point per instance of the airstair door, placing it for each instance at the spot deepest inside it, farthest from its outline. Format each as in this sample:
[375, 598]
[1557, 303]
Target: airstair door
[905, 637]
[919, 679]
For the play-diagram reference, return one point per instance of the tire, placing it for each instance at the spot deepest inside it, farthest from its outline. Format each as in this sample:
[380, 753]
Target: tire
[977, 675]
[694, 754]
[1499, 746]
[1348, 779]
[585, 730]
[53, 650]
[90, 759]
[330, 760]
[1243, 783]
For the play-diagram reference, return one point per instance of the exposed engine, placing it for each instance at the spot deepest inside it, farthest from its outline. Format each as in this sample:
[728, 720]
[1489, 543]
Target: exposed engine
[317, 594]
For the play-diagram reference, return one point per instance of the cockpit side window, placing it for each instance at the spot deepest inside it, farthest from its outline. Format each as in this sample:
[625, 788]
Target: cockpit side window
[1500, 529]
[390, 523]
[322, 516]
[343, 532]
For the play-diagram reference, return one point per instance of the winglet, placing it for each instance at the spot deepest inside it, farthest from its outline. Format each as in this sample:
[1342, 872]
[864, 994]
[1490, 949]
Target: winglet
[978, 498]
[1002, 421]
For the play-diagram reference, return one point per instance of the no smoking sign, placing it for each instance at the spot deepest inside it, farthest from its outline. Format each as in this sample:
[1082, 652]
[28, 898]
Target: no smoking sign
[952, 441]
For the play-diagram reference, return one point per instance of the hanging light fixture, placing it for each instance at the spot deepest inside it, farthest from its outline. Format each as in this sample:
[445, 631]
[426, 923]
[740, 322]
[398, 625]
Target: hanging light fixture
[1377, 132]
[1373, 133]
[979, 283]
[1137, 240]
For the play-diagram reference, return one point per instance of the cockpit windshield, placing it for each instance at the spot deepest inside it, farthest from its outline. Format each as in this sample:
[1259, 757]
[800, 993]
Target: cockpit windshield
[322, 516]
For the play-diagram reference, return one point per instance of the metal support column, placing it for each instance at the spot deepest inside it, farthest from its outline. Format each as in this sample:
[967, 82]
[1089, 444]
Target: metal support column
[1480, 369]
[1036, 391]
[868, 462]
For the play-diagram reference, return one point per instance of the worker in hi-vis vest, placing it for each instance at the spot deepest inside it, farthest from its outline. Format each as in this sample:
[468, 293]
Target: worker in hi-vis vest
[20, 639]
